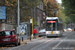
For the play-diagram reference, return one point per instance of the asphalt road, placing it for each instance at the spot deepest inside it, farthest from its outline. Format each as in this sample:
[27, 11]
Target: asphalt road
[66, 42]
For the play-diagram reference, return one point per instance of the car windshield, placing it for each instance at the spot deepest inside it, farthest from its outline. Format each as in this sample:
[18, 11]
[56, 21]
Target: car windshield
[5, 33]
[69, 28]
[43, 30]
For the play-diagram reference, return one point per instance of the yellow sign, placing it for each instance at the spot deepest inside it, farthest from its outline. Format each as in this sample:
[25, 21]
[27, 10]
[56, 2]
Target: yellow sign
[52, 32]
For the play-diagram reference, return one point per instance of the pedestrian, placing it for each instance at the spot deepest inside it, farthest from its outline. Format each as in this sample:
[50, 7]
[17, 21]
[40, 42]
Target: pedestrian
[34, 33]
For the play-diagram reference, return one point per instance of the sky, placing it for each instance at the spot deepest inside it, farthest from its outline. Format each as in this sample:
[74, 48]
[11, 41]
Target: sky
[59, 1]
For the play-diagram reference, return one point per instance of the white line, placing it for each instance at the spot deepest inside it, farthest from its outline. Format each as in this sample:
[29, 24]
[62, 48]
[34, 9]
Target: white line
[42, 44]
[61, 41]
[64, 40]
[70, 42]
[23, 45]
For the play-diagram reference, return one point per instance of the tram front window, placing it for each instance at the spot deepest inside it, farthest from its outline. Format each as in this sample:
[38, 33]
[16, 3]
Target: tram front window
[51, 26]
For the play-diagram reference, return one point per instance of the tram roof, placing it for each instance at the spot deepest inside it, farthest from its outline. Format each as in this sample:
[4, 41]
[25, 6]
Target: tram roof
[51, 18]
[54, 18]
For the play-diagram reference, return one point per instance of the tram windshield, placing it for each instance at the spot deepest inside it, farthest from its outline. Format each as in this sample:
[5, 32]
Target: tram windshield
[51, 26]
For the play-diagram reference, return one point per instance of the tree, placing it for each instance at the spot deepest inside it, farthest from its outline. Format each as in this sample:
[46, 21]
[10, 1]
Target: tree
[62, 15]
[69, 8]
[50, 7]
[25, 8]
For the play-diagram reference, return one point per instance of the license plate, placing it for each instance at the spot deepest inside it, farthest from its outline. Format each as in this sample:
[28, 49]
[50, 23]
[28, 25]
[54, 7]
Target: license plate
[52, 32]
[6, 39]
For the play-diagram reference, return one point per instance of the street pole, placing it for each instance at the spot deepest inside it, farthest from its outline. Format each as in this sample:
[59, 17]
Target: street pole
[18, 17]
[32, 29]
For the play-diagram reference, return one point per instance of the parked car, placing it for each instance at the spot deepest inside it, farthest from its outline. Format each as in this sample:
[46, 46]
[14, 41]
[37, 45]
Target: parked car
[9, 37]
[73, 29]
[64, 30]
[69, 29]
[42, 32]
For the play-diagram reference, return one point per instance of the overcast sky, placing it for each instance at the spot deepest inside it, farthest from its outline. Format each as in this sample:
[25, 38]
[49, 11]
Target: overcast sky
[59, 1]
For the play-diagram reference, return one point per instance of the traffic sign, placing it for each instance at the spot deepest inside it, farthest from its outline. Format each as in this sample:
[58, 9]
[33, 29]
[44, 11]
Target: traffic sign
[30, 20]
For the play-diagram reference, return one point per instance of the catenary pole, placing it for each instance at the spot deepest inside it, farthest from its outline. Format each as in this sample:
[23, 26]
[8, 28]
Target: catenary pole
[18, 16]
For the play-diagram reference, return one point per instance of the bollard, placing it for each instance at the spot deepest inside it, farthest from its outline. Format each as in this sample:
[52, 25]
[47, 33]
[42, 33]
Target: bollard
[30, 38]
[22, 38]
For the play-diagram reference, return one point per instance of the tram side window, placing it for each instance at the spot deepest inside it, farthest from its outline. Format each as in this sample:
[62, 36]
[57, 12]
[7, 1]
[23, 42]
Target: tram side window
[60, 27]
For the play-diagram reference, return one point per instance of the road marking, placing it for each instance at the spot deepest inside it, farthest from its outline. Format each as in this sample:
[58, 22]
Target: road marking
[57, 38]
[42, 43]
[32, 49]
[70, 42]
[48, 41]
[61, 41]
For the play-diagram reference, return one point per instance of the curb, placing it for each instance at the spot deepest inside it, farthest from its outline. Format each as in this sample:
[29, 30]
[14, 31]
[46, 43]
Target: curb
[28, 40]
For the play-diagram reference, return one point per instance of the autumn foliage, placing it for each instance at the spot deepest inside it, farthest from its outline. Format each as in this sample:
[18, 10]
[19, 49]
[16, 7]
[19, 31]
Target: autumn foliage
[52, 1]
[50, 7]
[10, 2]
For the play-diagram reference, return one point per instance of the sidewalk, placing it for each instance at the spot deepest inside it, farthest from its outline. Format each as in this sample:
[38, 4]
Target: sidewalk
[28, 40]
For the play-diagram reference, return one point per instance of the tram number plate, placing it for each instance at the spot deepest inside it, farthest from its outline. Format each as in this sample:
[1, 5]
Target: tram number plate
[52, 32]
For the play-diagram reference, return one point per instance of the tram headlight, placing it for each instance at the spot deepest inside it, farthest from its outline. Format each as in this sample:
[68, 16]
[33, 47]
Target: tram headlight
[47, 32]
[56, 32]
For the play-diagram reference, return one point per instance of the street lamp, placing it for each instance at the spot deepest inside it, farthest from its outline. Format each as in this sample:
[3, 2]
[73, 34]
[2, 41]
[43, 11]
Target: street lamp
[18, 17]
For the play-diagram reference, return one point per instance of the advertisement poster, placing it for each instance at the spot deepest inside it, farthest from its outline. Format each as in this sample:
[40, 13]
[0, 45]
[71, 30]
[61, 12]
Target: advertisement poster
[2, 12]
[23, 29]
